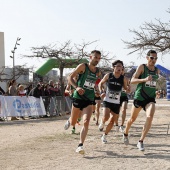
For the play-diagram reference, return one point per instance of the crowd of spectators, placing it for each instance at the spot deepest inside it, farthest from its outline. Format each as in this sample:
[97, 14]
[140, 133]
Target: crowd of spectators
[160, 94]
[47, 91]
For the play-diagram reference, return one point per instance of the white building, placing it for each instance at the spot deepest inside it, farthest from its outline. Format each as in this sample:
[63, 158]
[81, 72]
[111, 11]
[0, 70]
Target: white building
[2, 59]
[6, 74]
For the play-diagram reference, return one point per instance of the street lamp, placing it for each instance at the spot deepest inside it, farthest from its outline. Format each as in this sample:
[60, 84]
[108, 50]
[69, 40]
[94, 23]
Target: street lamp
[13, 55]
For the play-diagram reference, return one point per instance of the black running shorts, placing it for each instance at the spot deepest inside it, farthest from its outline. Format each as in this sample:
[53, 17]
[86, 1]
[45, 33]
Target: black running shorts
[138, 103]
[122, 99]
[81, 104]
[112, 106]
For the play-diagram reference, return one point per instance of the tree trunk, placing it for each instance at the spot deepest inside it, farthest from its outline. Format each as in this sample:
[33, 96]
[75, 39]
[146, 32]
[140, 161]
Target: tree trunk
[62, 89]
[61, 81]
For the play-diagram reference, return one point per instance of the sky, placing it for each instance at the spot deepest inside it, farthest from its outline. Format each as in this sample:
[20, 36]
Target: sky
[42, 22]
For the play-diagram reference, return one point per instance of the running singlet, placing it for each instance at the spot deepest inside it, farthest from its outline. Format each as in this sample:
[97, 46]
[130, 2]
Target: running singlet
[86, 81]
[147, 90]
[114, 88]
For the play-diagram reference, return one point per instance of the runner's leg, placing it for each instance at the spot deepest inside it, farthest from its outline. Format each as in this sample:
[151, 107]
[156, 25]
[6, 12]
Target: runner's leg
[134, 114]
[87, 112]
[150, 110]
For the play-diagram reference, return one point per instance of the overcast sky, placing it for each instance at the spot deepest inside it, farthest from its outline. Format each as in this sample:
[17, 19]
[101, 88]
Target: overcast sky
[40, 22]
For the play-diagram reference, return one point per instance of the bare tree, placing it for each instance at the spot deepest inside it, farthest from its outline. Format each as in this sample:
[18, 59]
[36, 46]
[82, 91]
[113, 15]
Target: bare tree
[161, 83]
[19, 71]
[64, 51]
[151, 35]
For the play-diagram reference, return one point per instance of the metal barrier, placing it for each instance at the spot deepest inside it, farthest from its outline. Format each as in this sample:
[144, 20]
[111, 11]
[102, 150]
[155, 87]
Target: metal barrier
[68, 104]
[57, 105]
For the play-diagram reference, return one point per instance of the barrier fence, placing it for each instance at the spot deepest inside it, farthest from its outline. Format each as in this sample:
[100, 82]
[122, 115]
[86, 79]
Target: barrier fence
[57, 105]
[30, 106]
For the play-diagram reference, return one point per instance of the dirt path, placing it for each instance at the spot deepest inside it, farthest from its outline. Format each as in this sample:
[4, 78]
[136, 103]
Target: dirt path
[43, 144]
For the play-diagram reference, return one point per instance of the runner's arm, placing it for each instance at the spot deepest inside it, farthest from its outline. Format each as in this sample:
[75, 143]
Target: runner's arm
[79, 70]
[102, 82]
[126, 85]
[135, 78]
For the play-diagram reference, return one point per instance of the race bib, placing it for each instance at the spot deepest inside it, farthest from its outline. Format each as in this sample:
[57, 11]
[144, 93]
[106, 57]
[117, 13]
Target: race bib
[114, 95]
[89, 84]
[151, 84]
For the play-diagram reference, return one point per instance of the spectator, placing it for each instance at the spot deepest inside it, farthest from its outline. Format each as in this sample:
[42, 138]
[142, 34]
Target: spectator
[28, 89]
[12, 91]
[21, 91]
[58, 89]
[164, 93]
[42, 90]
[157, 94]
[161, 94]
[47, 98]
[36, 92]
[12, 88]
[52, 98]
[52, 89]
[2, 92]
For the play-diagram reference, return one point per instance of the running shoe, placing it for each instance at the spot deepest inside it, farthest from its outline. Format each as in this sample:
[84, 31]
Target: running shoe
[67, 125]
[80, 150]
[103, 138]
[140, 146]
[125, 140]
[101, 126]
[121, 129]
[117, 128]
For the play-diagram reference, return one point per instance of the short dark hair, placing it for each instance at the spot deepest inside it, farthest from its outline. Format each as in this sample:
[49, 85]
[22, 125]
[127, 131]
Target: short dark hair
[151, 52]
[96, 51]
[117, 61]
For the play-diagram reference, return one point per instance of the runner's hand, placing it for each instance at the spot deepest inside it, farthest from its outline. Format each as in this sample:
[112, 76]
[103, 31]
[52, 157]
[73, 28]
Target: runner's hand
[128, 90]
[149, 78]
[80, 90]
[103, 95]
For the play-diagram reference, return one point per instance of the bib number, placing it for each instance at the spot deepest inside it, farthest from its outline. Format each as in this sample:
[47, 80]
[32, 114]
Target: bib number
[114, 95]
[151, 84]
[89, 85]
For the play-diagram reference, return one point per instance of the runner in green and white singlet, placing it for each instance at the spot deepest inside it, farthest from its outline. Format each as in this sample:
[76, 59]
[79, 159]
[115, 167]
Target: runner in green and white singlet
[83, 95]
[86, 81]
[147, 91]
[145, 76]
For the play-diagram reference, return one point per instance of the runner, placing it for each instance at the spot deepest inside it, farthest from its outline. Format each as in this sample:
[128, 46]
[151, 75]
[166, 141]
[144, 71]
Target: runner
[83, 96]
[111, 102]
[97, 103]
[145, 76]
[123, 107]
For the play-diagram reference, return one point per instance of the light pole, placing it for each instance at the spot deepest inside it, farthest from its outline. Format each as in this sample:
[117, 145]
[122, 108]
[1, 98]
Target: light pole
[13, 55]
